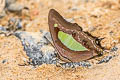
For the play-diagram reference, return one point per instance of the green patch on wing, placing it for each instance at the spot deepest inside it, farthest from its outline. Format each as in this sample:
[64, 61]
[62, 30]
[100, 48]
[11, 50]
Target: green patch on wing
[70, 42]
[55, 25]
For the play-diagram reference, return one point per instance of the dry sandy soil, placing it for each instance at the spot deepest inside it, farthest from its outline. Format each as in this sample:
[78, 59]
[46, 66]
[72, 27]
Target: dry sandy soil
[100, 17]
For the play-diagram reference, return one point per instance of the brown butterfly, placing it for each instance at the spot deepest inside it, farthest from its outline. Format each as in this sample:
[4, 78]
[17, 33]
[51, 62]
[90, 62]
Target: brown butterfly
[58, 23]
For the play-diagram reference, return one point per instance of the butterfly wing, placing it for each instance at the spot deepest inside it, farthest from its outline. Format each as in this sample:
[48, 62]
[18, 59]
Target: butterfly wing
[65, 53]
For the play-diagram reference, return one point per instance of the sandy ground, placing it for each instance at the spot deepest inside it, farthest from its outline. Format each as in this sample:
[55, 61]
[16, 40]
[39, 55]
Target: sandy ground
[101, 18]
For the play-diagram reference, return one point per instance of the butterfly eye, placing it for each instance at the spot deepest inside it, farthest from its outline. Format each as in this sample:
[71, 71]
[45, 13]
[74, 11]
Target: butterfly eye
[97, 42]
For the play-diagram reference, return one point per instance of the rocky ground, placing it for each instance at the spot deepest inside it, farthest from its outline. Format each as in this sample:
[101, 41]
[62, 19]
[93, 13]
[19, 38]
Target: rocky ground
[99, 17]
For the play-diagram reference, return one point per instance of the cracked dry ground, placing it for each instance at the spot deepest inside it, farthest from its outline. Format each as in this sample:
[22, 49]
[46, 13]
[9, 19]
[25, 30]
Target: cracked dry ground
[99, 17]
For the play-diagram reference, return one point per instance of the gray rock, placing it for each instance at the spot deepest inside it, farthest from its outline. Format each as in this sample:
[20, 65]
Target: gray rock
[2, 28]
[114, 49]
[4, 61]
[2, 14]
[17, 23]
[15, 8]
[34, 48]
[75, 64]
[106, 59]
[9, 2]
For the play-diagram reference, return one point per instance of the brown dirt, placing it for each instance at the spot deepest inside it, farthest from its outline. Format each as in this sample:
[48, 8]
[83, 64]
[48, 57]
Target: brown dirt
[101, 15]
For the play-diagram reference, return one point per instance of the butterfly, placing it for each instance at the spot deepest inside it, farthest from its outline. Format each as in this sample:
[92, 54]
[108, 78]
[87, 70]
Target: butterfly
[70, 41]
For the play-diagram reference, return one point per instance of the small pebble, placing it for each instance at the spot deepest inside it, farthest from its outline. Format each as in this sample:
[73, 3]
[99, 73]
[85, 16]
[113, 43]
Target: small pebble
[9, 2]
[70, 20]
[75, 64]
[2, 14]
[114, 49]
[4, 61]
[105, 60]
[15, 8]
